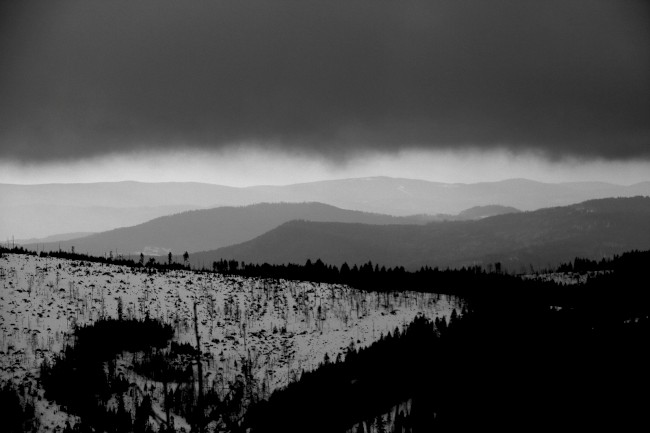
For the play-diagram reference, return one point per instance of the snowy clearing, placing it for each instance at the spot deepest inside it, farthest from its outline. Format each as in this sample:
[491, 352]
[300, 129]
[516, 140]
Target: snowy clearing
[282, 327]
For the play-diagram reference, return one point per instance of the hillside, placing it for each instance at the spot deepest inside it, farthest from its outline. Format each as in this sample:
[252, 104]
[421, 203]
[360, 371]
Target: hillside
[281, 327]
[213, 228]
[545, 237]
[37, 211]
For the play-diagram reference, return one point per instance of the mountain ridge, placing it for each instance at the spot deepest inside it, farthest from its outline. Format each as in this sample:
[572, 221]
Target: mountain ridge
[36, 211]
[192, 230]
[544, 237]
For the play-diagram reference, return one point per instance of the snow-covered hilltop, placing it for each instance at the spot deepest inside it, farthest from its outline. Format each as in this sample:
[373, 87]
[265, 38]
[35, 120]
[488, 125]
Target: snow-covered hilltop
[281, 327]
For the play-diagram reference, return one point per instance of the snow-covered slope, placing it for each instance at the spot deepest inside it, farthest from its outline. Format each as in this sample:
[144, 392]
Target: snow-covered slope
[282, 327]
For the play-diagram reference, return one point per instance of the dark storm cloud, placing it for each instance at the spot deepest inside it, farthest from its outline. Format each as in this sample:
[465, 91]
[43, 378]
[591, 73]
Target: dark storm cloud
[329, 78]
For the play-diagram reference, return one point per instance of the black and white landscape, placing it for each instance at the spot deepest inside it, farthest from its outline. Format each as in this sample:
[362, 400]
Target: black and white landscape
[324, 216]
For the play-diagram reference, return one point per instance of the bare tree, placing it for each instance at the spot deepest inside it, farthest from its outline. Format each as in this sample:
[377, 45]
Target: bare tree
[199, 402]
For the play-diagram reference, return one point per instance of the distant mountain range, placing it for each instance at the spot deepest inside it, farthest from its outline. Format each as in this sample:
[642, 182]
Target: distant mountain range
[42, 221]
[213, 228]
[54, 238]
[593, 229]
[396, 196]
[35, 211]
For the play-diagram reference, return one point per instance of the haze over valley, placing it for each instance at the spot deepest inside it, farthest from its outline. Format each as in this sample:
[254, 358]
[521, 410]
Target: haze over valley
[37, 211]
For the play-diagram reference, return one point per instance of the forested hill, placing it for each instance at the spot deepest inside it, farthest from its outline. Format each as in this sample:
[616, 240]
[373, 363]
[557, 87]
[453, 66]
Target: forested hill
[542, 238]
[37, 211]
[205, 229]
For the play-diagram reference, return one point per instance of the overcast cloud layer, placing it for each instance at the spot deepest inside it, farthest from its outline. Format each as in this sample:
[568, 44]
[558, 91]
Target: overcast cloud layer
[325, 78]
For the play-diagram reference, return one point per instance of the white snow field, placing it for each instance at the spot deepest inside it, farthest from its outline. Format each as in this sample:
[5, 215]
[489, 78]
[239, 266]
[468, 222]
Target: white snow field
[283, 327]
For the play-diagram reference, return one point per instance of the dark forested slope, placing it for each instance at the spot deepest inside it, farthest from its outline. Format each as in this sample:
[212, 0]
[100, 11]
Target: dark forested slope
[592, 229]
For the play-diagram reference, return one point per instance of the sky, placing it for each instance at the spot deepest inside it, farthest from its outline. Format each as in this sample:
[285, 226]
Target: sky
[278, 91]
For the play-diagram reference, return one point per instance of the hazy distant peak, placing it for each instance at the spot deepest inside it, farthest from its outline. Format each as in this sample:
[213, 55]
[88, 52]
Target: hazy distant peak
[203, 229]
[35, 211]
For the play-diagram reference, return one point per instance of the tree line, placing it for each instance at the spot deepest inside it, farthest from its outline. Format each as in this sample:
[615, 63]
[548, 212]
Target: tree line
[470, 282]
[150, 264]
